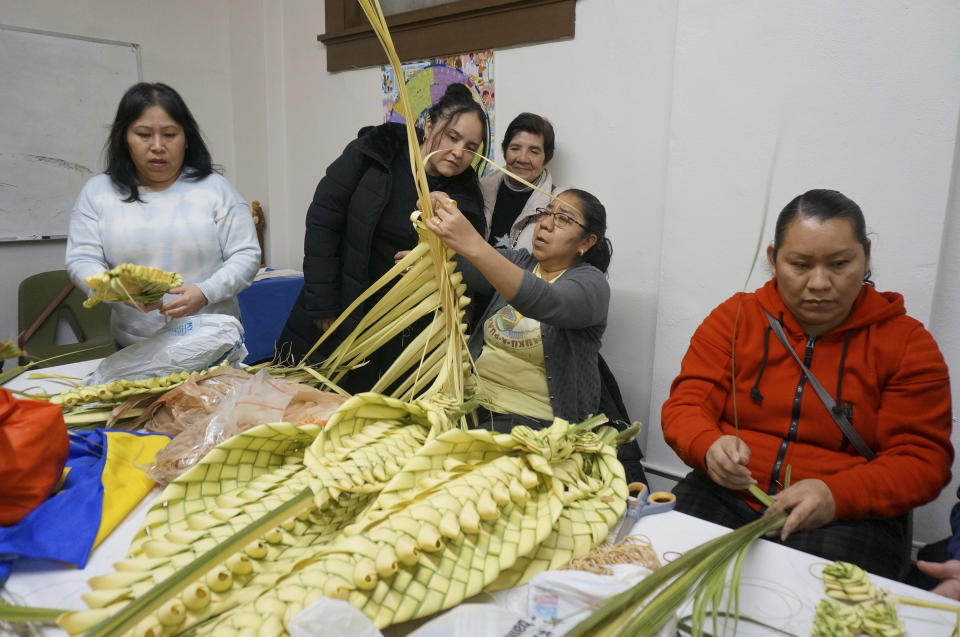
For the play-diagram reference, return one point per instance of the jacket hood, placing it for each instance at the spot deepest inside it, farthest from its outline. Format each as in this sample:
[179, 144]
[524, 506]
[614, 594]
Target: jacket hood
[383, 142]
[869, 308]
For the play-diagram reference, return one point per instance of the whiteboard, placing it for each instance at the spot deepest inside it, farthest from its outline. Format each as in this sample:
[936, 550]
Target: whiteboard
[60, 95]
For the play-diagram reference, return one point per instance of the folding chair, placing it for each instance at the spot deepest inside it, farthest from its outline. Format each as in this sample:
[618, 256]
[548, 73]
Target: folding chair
[45, 301]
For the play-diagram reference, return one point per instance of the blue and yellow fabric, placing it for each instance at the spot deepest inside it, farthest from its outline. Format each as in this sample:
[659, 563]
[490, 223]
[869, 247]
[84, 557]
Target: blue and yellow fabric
[104, 480]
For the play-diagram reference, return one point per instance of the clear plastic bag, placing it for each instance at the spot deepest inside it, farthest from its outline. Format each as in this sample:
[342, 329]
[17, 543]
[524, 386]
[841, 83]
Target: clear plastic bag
[190, 404]
[191, 343]
[261, 399]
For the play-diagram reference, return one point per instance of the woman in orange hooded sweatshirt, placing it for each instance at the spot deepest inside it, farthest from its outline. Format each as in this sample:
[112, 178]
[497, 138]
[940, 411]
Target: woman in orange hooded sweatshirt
[881, 368]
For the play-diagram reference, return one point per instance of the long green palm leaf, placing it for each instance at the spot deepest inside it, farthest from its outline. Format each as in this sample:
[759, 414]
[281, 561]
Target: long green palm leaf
[619, 615]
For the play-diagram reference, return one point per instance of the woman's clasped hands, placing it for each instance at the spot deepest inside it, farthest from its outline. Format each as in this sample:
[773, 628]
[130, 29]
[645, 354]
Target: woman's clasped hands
[809, 503]
[190, 300]
[449, 224]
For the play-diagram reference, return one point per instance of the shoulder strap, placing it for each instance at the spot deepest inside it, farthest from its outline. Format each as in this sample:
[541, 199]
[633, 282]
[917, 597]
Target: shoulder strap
[838, 416]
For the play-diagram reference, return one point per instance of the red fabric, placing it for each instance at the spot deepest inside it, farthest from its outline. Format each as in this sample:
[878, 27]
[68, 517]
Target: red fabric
[893, 374]
[33, 451]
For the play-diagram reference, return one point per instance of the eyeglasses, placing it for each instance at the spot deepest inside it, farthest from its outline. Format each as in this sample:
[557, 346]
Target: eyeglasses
[561, 219]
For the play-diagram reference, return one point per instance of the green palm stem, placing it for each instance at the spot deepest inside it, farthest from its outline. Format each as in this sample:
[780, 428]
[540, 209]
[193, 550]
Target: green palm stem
[710, 592]
[923, 603]
[617, 617]
[12, 373]
[28, 614]
[711, 589]
[733, 601]
[92, 418]
[328, 384]
[630, 433]
[707, 588]
[127, 619]
[590, 423]
[73, 381]
[392, 273]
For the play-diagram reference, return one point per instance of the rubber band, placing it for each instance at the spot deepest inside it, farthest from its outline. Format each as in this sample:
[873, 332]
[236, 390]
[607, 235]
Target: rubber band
[821, 565]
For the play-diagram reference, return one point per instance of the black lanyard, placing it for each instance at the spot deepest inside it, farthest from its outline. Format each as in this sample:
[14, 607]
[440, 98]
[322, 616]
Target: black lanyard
[838, 416]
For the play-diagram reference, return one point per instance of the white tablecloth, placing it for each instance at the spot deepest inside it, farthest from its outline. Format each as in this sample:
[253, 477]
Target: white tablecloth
[779, 586]
[24, 383]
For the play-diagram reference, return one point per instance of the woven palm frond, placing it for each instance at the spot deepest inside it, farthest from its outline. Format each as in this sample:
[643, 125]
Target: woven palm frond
[136, 284]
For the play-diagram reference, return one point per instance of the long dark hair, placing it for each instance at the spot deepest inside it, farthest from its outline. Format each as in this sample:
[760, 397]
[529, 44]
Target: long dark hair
[823, 205]
[595, 218]
[456, 101]
[138, 98]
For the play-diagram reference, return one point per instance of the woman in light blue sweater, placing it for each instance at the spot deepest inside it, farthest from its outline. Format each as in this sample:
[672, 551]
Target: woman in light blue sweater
[160, 204]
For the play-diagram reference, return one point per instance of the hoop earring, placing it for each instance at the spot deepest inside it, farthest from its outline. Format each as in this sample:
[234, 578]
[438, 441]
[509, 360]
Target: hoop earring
[581, 252]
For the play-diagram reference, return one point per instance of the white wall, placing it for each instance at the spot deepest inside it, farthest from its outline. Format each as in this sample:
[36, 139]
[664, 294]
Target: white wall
[943, 324]
[322, 113]
[668, 111]
[864, 96]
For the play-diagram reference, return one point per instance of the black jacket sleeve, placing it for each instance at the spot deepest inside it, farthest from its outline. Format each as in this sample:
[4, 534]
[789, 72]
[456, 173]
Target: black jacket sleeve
[326, 220]
[465, 190]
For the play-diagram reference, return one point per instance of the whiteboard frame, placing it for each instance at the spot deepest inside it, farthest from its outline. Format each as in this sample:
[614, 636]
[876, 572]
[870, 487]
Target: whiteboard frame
[70, 36]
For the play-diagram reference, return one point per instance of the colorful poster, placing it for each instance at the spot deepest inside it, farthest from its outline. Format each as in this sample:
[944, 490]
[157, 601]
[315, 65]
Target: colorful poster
[428, 79]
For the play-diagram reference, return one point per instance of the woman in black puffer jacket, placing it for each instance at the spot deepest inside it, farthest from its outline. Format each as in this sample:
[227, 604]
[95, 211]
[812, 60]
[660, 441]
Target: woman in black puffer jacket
[360, 218]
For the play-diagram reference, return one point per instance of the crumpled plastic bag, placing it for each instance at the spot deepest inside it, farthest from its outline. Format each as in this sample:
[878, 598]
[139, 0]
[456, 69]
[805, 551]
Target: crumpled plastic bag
[189, 404]
[329, 617]
[191, 343]
[261, 399]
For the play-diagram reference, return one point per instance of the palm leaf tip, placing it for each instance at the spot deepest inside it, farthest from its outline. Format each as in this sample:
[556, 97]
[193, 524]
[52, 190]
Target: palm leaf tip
[8, 349]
